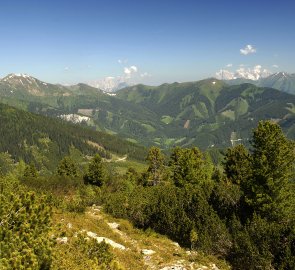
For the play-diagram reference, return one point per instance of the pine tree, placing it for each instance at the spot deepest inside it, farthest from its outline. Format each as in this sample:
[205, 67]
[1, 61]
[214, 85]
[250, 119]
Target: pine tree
[155, 160]
[25, 223]
[30, 171]
[96, 174]
[273, 159]
[6, 163]
[188, 166]
[67, 167]
[237, 165]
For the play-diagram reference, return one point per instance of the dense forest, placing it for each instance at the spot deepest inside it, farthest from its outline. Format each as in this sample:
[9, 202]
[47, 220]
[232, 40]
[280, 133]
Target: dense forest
[241, 211]
[44, 140]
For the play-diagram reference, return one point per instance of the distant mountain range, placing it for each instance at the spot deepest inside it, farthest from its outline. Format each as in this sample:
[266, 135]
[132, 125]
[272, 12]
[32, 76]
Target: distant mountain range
[110, 84]
[208, 113]
[281, 80]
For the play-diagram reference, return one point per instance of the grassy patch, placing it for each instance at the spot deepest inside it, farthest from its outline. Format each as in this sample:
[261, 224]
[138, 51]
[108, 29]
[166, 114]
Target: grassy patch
[166, 119]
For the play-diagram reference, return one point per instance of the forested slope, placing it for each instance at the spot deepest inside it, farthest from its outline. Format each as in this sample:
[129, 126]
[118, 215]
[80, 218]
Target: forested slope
[46, 140]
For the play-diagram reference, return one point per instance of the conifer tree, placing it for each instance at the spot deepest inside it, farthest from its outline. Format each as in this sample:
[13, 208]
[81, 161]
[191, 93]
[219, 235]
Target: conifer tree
[237, 166]
[155, 159]
[67, 167]
[25, 222]
[273, 159]
[30, 171]
[188, 166]
[96, 174]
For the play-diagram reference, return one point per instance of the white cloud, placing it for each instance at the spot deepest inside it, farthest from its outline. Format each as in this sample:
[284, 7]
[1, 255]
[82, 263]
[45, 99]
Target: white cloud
[248, 50]
[130, 76]
[145, 74]
[130, 70]
[120, 61]
[133, 68]
[254, 73]
[229, 65]
[275, 66]
[66, 68]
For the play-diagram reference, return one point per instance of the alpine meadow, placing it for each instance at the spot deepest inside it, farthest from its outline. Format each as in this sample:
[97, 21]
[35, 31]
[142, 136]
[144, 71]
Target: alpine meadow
[147, 135]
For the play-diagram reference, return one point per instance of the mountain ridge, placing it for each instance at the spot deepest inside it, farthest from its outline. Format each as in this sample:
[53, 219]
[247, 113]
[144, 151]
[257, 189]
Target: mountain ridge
[202, 113]
[282, 81]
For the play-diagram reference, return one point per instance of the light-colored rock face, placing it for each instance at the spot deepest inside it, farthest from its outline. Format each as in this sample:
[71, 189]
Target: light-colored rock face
[107, 240]
[75, 118]
[114, 225]
[62, 240]
[147, 252]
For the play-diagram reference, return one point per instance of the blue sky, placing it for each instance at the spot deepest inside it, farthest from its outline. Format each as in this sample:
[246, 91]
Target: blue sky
[145, 41]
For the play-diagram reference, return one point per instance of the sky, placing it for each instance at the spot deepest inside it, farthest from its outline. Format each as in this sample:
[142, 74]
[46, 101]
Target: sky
[149, 42]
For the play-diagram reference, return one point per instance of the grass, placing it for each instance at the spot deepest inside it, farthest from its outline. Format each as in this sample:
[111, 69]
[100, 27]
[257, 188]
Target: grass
[149, 128]
[166, 253]
[121, 167]
[291, 107]
[131, 140]
[166, 119]
[229, 114]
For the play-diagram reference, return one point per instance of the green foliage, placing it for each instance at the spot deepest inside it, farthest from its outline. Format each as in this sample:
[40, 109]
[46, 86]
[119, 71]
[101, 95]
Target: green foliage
[188, 166]
[30, 171]
[67, 167]
[155, 160]
[193, 238]
[243, 212]
[6, 163]
[174, 212]
[237, 165]
[148, 114]
[25, 220]
[96, 174]
[83, 253]
[45, 140]
[226, 197]
[273, 160]
[99, 252]
[262, 245]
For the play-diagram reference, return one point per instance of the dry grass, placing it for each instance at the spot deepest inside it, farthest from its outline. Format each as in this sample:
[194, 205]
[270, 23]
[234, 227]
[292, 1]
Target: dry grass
[166, 251]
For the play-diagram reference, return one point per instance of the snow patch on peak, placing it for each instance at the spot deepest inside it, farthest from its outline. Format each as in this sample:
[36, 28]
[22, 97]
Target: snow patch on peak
[18, 77]
[255, 73]
[110, 84]
[23, 75]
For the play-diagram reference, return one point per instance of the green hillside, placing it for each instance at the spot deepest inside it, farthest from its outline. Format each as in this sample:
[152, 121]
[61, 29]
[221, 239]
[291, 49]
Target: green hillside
[207, 113]
[46, 140]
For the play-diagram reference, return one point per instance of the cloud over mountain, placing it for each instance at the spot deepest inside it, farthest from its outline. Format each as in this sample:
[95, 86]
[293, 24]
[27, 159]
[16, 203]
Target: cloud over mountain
[254, 73]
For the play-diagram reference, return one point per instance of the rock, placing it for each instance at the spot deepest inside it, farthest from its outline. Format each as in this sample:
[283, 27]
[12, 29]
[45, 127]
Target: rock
[107, 240]
[70, 225]
[174, 267]
[147, 252]
[62, 240]
[114, 225]
[214, 267]
[176, 244]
